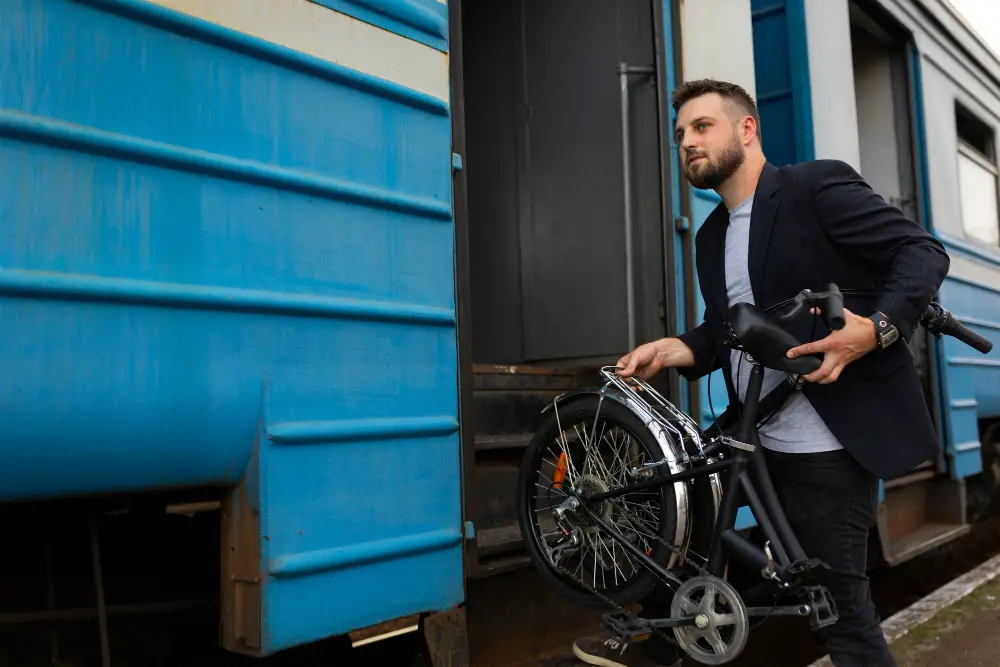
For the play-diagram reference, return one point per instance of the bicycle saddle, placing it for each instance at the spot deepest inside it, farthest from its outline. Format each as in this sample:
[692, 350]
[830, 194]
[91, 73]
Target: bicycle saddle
[768, 342]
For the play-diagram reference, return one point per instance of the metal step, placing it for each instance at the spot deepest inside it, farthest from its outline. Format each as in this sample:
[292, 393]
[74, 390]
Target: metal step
[491, 442]
[526, 378]
[920, 512]
[507, 403]
[499, 549]
[927, 537]
[500, 540]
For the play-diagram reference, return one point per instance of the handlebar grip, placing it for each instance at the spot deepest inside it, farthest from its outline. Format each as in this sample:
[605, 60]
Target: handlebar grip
[963, 333]
[833, 308]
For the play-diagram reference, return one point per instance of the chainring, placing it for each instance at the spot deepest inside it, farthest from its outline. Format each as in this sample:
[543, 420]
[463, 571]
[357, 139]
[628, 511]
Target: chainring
[721, 620]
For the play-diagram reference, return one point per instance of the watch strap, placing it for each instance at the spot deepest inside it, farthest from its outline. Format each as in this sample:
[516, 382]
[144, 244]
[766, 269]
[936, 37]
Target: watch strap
[886, 332]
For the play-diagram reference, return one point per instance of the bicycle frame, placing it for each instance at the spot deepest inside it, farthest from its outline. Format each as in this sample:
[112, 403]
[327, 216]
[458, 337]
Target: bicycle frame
[746, 476]
[781, 562]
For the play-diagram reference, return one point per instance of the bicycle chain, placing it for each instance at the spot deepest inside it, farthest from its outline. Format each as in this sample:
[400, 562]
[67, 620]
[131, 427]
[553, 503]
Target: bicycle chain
[653, 630]
[683, 559]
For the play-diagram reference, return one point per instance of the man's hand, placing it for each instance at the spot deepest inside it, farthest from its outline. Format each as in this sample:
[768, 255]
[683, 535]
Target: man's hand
[840, 348]
[649, 359]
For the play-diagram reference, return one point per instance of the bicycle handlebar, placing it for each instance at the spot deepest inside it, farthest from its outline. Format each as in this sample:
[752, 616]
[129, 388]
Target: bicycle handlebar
[833, 307]
[831, 304]
[935, 318]
[939, 321]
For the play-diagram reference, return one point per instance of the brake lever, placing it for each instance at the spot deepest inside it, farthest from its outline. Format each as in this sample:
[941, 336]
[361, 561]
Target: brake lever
[799, 302]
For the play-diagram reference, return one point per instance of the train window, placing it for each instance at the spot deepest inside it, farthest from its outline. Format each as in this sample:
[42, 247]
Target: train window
[977, 176]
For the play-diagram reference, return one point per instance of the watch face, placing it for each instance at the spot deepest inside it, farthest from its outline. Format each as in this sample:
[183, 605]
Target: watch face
[889, 337]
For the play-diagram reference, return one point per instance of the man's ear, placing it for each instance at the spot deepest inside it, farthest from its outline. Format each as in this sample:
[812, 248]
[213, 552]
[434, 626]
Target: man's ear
[748, 129]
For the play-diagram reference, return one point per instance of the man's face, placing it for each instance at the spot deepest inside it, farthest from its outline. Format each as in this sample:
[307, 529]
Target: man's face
[708, 142]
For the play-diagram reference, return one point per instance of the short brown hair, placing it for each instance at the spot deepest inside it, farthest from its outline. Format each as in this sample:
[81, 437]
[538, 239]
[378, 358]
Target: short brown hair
[689, 90]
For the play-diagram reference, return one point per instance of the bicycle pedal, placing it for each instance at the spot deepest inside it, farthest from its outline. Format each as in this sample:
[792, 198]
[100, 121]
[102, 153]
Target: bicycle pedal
[625, 628]
[823, 608]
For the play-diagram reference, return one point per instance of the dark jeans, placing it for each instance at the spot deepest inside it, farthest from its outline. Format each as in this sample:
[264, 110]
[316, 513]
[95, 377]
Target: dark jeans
[830, 501]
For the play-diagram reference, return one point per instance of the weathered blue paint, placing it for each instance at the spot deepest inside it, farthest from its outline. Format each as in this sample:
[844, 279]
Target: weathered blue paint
[970, 388]
[781, 66]
[424, 21]
[219, 251]
[676, 185]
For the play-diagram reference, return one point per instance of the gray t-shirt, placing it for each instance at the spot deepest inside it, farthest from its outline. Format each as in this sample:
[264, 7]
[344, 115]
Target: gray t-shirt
[796, 427]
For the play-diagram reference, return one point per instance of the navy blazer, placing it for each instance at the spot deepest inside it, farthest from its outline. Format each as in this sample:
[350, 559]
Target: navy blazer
[813, 224]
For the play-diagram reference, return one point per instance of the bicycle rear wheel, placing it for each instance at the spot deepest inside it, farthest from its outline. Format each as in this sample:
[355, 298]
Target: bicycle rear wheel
[595, 457]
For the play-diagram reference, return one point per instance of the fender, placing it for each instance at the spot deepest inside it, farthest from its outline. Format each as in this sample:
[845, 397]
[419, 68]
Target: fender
[669, 446]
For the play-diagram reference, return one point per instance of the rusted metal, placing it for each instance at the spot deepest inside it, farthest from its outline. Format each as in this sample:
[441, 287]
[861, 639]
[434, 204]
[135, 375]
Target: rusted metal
[190, 509]
[241, 573]
[447, 638]
[909, 478]
[920, 515]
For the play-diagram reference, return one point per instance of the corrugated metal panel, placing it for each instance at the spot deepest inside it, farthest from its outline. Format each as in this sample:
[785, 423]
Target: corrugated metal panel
[215, 242]
[970, 380]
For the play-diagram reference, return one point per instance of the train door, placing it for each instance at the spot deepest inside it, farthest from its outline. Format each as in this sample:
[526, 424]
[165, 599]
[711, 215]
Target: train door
[882, 60]
[926, 507]
[886, 137]
[562, 164]
[564, 264]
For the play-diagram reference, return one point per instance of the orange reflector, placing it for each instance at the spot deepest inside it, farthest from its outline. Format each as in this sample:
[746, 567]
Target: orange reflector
[560, 471]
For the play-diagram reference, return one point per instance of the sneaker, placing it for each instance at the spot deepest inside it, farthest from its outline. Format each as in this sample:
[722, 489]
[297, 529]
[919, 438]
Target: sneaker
[613, 653]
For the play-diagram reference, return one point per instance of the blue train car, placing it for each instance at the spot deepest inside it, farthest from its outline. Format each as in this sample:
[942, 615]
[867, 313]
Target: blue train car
[307, 271]
[227, 263]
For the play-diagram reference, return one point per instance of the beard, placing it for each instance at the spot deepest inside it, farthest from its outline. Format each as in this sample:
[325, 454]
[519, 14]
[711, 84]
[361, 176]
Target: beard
[710, 174]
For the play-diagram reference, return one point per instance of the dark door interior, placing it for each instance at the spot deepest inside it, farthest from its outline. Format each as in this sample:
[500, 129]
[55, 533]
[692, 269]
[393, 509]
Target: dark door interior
[543, 127]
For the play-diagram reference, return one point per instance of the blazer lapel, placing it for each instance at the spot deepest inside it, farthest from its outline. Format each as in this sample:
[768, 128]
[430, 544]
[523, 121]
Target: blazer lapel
[713, 274]
[765, 208]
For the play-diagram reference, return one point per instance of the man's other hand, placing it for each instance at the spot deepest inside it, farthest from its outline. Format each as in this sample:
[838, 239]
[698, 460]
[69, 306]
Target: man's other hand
[840, 348]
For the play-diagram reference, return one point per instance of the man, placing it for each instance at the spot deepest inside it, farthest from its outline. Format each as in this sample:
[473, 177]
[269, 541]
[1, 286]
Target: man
[861, 416]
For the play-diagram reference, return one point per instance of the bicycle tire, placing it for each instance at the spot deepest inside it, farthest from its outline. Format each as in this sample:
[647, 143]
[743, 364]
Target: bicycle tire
[583, 411]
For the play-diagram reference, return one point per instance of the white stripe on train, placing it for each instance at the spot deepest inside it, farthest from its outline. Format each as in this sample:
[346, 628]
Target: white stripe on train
[313, 29]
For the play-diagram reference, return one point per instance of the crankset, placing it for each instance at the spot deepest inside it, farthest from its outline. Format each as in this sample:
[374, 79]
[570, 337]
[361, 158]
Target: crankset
[721, 622]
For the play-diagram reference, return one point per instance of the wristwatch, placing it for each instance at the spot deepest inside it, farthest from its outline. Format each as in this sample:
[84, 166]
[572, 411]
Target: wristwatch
[886, 332]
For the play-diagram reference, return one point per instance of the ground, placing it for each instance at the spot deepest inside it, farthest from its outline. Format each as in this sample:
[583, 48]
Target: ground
[964, 634]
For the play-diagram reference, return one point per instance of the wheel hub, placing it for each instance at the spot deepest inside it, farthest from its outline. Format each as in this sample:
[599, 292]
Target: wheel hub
[589, 485]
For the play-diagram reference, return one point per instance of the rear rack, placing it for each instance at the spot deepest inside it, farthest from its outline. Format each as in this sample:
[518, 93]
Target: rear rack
[654, 409]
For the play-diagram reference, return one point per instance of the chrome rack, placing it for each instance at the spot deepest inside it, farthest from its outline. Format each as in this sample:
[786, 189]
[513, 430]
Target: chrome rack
[650, 405]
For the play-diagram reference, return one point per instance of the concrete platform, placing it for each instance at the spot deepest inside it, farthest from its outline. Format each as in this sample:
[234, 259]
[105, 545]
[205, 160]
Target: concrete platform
[956, 625]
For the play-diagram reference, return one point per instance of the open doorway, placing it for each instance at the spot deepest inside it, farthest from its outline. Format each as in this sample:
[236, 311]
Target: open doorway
[882, 91]
[925, 507]
[564, 233]
[552, 280]
[885, 114]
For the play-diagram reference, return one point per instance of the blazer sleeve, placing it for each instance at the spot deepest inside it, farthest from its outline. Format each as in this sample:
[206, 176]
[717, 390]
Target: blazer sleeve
[856, 219]
[705, 348]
